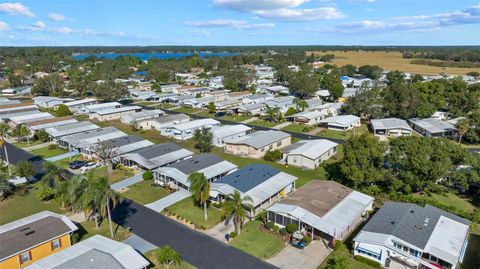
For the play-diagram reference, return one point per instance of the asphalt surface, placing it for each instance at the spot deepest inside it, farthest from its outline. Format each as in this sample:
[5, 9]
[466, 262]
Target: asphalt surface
[254, 127]
[16, 155]
[195, 247]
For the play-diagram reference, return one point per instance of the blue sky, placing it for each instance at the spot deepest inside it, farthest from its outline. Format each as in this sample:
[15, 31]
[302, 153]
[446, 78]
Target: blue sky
[240, 22]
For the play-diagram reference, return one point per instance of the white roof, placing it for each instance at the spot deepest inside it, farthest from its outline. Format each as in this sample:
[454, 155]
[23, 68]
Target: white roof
[52, 124]
[69, 129]
[390, 123]
[79, 102]
[342, 120]
[336, 219]
[447, 239]
[18, 107]
[31, 117]
[195, 124]
[89, 138]
[121, 252]
[311, 149]
[209, 172]
[433, 125]
[308, 114]
[116, 110]
[228, 130]
[102, 105]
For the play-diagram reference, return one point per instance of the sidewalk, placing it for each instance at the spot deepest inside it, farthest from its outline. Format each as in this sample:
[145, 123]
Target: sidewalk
[38, 146]
[169, 200]
[119, 186]
[250, 120]
[282, 125]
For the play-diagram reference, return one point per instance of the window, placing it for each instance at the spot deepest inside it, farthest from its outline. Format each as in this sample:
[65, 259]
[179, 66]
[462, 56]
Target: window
[25, 257]
[279, 143]
[56, 244]
[405, 248]
[270, 147]
[397, 245]
[294, 159]
[262, 150]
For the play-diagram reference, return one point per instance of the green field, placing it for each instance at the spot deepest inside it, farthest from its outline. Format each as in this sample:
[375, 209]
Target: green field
[115, 176]
[143, 193]
[26, 145]
[192, 213]
[343, 135]
[45, 152]
[87, 229]
[298, 128]
[258, 243]
[237, 118]
[264, 123]
[451, 199]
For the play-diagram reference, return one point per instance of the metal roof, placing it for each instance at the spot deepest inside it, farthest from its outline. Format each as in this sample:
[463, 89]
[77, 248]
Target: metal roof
[52, 124]
[116, 110]
[88, 138]
[69, 129]
[102, 105]
[342, 120]
[228, 130]
[308, 114]
[326, 205]
[433, 125]
[28, 232]
[170, 118]
[125, 144]
[31, 117]
[260, 139]
[80, 102]
[20, 112]
[311, 149]
[249, 176]
[195, 124]
[252, 106]
[158, 155]
[96, 252]
[390, 123]
[196, 163]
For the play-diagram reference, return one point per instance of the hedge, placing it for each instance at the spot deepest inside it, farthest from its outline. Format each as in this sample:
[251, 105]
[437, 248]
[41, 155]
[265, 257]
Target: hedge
[368, 261]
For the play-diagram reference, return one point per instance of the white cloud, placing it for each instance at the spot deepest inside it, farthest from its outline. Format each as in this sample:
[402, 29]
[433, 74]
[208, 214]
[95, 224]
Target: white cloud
[63, 30]
[4, 27]
[281, 9]
[251, 5]
[201, 32]
[312, 14]
[409, 23]
[56, 16]
[39, 24]
[15, 9]
[237, 24]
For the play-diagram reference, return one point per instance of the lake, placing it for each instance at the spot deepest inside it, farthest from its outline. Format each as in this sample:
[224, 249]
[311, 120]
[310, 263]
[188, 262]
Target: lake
[161, 55]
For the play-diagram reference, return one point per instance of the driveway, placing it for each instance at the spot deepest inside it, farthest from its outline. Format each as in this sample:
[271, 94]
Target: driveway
[119, 186]
[308, 258]
[168, 200]
[218, 231]
[281, 125]
[195, 247]
[62, 156]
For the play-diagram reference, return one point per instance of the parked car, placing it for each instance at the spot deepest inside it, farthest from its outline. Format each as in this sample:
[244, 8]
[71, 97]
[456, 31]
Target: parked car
[77, 164]
[89, 166]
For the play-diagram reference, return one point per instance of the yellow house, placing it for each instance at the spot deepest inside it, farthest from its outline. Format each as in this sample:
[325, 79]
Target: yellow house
[32, 238]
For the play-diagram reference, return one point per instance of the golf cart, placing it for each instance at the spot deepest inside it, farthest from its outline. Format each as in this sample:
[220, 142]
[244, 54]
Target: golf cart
[297, 240]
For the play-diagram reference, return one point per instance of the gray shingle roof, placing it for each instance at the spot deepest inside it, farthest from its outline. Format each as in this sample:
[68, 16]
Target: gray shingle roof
[249, 176]
[196, 163]
[408, 222]
[390, 123]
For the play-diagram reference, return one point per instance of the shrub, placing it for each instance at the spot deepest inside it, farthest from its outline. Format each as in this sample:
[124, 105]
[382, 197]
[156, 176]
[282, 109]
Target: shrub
[307, 239]
[269, 225]
[233, 234]
[167, 256]
[275, 228]
[45, 193]
[63, 111]
[273, 156]
[368, 261]
[147, 175]
[290, 111]
[75, 238]
[283, 231]
[52, 147]
[292, 227]
[262, 216]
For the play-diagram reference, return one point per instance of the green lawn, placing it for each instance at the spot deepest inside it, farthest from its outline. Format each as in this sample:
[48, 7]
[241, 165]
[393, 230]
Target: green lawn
[451, 199]
[45, 152]
[189, 110]
[164, 106]
[189, 211]
[117, 174]
[151, 135]
[260, 244]
[87, 229]
[143, 193]
[151, 257]
[298, 128]
[237, 118]
[26, 145]
[344, 135]
[472, 256]
[25, 203]
[264, 123]
[342, 251]
[64, 163]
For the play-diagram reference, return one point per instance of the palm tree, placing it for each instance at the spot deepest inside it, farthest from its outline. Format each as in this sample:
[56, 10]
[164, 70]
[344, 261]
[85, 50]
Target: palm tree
[272, 113]
[463, 126]
[300, 104]
[62, 192]
[53, 174]
[109, 200]
[200, 190]
[238, 208]
[3, 132]
[24, 132]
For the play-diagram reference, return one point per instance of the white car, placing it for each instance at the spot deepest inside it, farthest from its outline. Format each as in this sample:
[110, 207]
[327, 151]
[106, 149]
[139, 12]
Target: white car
[89, 166]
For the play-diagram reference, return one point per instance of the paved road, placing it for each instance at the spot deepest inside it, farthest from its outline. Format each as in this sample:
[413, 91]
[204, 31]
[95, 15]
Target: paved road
[196, 248]
[16, 155]
[254, 127]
